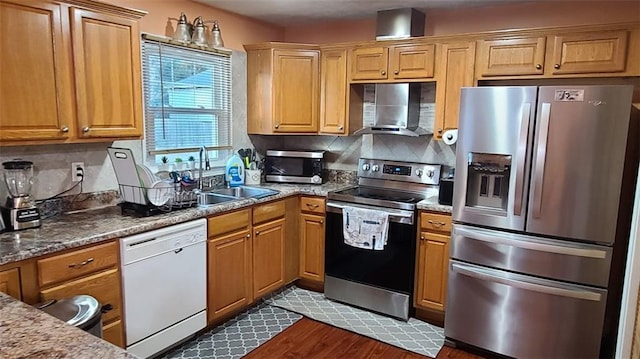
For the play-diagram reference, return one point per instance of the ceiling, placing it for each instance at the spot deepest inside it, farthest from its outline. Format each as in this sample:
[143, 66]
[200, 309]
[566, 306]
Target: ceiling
[296, 12]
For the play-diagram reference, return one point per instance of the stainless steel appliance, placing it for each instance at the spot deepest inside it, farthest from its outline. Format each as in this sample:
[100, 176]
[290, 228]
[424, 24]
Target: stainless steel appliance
[537, 209]
[294, 166]
[378, 280]
[164, 282]
[19, 211]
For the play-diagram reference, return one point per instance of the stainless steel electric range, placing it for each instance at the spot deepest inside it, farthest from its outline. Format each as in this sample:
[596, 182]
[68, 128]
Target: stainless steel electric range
[378, 280]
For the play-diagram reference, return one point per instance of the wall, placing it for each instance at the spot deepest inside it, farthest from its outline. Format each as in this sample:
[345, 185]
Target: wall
[476, 19]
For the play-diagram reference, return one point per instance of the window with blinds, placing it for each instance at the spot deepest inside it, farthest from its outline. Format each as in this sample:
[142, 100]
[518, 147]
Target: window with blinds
[187, 100]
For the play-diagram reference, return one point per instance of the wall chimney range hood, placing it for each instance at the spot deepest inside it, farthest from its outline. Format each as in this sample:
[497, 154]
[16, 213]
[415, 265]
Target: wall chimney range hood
[397, 105]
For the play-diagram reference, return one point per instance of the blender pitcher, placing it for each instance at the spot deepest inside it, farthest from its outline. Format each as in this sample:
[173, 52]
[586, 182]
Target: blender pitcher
[19, 212]
[18, 176]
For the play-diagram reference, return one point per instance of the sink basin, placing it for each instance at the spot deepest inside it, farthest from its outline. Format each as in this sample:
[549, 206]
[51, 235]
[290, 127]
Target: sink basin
[245, 192]
[206, 199]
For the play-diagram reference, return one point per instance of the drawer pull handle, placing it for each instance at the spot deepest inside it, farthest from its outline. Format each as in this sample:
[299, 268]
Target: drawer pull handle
[436, 223]
[106, 308]
[81, 264]
[312, 206]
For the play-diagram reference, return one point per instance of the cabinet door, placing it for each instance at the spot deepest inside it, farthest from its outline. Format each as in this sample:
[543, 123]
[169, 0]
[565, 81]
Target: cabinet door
[10, 282]
[433, 262]
[333, 89]
[268, 257]
[312, 247]
[106, 53]
[369, 63]
[295, 91]
[114, 333]
[511, 57]
[590, 52]
[229, 274]
[455, 70]
[412, 61]
[35, 91]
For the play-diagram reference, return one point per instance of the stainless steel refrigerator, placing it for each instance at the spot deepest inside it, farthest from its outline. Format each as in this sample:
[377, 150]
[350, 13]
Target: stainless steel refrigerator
[538, 207]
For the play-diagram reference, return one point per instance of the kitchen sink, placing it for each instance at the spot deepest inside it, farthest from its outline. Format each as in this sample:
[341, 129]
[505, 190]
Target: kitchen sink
[245, 192]
[207, 199]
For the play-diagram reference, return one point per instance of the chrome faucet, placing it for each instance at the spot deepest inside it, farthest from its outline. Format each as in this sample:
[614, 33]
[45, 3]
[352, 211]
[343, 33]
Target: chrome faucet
[206, 166]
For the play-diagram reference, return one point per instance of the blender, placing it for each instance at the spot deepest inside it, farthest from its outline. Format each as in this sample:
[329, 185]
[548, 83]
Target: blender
[20, 211]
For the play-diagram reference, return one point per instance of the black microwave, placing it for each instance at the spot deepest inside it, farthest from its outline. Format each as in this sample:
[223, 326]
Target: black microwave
[294, 166]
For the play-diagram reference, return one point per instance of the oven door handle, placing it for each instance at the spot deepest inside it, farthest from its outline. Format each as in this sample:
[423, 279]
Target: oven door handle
[399, 216]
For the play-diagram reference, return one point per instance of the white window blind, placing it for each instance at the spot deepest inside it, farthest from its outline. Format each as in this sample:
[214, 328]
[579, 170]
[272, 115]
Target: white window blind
[187, 100]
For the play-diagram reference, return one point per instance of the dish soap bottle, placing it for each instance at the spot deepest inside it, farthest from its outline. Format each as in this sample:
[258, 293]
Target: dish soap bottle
[234, 171]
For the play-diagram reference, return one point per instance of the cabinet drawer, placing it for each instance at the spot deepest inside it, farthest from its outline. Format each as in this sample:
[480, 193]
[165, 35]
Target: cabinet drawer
[112, 333]
[312, 204]
[78, 263]
[226, 223]
[435, 222]
[104, 286]
[268, 211]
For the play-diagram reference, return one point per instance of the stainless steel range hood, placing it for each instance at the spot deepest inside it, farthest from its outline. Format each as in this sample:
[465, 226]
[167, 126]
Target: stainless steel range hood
[397, 111]
[397, 105]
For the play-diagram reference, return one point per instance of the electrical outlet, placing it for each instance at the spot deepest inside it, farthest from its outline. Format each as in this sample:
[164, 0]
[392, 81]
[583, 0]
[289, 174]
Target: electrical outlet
[77, 171]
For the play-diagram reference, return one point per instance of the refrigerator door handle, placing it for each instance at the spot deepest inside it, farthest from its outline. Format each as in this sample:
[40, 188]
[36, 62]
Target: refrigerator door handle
[520, 157]
[541, 154]
[525, 242]
[530, 284]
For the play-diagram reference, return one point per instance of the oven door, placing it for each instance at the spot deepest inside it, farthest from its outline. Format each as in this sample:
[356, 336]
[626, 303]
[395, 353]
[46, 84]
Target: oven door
[391, 269]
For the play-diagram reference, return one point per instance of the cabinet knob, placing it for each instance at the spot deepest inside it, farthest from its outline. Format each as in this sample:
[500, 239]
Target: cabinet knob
[248, 236]
[538, 66]
[383, 73]
[277, 125]
[257, 233]
[439, 130]
[86, 129]
[396, 72]
[556, 66]
[64, 129]
[422, 238]
[341, 128]
[321, 222]
[106, 308]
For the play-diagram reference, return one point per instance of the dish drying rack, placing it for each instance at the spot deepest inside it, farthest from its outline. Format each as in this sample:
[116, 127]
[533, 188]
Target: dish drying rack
[137, 202]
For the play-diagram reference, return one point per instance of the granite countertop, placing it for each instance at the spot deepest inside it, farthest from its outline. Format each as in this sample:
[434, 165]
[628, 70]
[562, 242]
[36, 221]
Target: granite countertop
[26, 332]
[431, 204]
[72, 230]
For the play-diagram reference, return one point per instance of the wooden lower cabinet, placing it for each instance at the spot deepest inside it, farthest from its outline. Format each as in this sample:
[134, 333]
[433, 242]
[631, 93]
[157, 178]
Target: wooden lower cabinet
[10, 282]
[64, 276]
[268, 257]
[432, 261]
[312, 232]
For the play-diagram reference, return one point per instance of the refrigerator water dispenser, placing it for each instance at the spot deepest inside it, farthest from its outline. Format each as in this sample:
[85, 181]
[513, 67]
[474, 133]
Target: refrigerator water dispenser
[488, 181]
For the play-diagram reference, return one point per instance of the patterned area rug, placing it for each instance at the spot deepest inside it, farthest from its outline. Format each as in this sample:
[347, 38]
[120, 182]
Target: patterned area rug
[238, 336]
[413, 335]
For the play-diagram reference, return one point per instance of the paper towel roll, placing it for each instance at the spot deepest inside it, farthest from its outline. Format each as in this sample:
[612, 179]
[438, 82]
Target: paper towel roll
[450, 137]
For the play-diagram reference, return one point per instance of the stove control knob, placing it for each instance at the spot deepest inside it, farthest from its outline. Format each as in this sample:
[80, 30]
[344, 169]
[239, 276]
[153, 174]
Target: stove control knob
[375, 168]
[430, 173]
[366, 167]
[316, 179]
[419, 173]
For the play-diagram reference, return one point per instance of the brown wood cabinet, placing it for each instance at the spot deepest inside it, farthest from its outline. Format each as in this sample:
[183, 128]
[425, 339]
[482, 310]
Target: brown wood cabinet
[75, 74]
[399, 62]
[10, 282]
[455, 70]
[94, 271]
[312, 233]
[553, 54]
[433, 260]
[282, 88]
[268, 247]
[229, 264]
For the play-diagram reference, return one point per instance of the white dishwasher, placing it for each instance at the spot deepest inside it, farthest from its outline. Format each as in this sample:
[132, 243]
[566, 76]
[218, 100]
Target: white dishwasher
[164, 275]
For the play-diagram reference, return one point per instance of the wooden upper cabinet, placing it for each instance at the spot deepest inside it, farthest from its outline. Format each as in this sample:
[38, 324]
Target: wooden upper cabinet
[513, 56]
[333, 91]
[412, 61]
[283, 82]
[36, 96]
[455, 70]
[106, 51]
[589, 52]
[75, 74]
[397, 62]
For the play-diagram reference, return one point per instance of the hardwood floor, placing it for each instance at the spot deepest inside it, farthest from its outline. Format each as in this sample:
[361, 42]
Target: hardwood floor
[310, 339]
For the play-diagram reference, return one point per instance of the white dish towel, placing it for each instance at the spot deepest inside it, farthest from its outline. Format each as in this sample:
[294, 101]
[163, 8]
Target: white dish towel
[365, 228]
